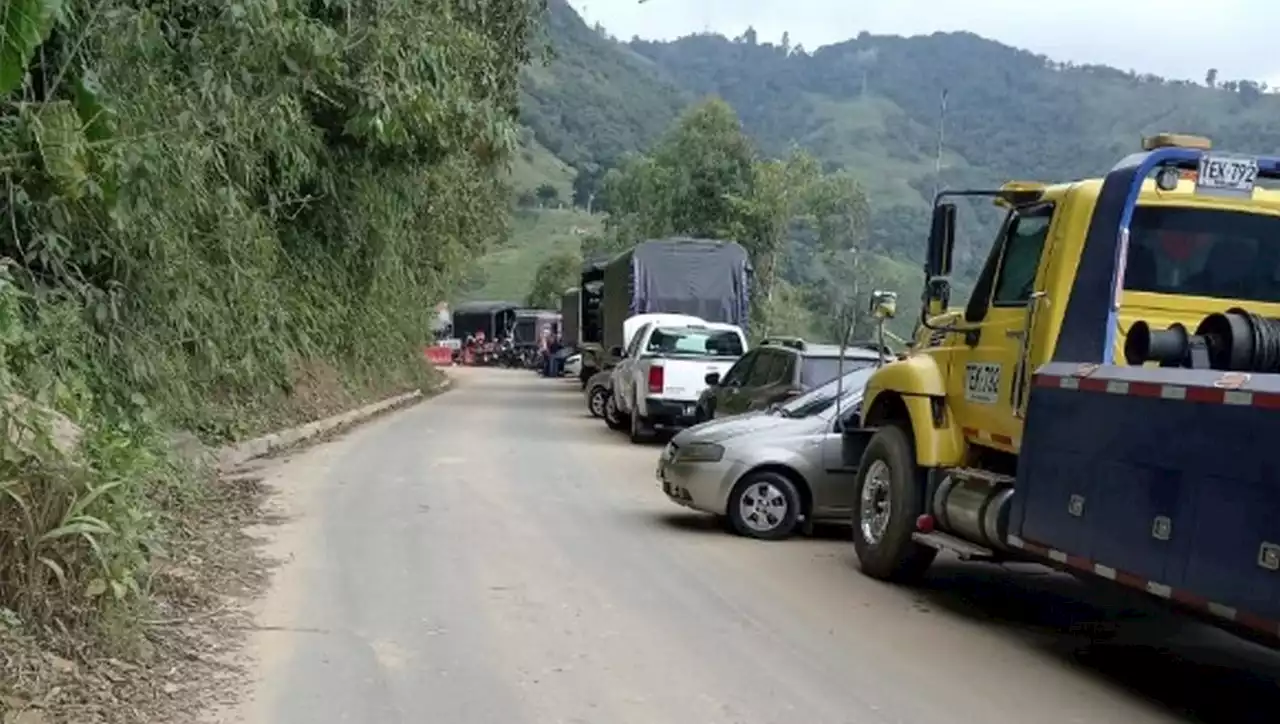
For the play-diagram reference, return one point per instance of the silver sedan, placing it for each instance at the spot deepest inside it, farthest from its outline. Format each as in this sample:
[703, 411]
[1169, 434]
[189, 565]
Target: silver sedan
[772, 471]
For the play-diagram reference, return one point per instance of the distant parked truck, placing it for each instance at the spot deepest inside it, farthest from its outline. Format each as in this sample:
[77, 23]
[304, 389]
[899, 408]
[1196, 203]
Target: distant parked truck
[590, 339]
[699, 277]
[486, 324]
[532, 324]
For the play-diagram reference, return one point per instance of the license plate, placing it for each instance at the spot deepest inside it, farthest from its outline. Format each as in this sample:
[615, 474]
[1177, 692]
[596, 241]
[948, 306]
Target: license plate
[1226, 175]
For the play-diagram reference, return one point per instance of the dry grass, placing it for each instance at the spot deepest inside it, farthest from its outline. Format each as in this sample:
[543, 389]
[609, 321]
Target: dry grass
[182, 660]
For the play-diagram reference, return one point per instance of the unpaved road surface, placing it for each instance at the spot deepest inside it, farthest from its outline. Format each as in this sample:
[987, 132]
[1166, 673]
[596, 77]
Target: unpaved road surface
[496, 556]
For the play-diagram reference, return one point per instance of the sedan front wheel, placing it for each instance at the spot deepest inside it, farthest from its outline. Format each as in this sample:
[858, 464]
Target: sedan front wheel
[764, 505]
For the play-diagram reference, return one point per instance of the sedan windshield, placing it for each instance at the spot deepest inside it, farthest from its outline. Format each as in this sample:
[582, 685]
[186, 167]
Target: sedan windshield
[819, 399]
[695, 342]
[821, 370]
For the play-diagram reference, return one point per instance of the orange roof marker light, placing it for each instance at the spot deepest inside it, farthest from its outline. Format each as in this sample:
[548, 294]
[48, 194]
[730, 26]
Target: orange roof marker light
[1019, 193]
[1176, 140]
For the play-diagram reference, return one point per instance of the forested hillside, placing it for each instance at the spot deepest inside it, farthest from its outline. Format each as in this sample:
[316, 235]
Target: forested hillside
[871, 106]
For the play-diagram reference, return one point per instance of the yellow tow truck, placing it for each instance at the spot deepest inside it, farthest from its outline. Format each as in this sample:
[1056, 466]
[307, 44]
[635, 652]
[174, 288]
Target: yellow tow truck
[1106, 400]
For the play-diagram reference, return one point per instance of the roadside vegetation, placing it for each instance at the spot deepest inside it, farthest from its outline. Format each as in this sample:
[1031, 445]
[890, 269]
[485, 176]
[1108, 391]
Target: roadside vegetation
[216, 218]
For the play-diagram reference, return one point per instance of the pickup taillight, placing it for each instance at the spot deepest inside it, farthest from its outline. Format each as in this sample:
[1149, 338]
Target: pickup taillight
[655, 379]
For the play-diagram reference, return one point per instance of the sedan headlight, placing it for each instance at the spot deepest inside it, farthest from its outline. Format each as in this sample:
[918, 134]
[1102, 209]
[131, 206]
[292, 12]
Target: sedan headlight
[700, 452]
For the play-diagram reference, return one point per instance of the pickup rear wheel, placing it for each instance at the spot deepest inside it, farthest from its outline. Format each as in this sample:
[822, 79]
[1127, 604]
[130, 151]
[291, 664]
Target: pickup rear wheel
[890, 492]
[598, 401]
[612, 417]
[640, 430]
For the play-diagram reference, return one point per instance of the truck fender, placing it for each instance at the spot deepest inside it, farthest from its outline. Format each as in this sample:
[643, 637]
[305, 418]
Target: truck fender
[913, 392]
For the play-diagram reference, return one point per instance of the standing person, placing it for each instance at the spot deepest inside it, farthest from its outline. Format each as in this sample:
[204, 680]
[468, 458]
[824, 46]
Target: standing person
[544, 356]
[553, 350]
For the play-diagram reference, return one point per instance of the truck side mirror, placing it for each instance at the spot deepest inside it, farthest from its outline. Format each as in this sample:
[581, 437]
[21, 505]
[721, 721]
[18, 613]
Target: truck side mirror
[712, 379]
[884, 305]
[942, 240]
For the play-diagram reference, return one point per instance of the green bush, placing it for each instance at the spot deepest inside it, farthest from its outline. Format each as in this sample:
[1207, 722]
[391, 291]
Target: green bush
[220, 216]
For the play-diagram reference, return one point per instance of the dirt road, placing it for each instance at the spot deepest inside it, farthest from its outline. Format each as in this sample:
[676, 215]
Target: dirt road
[495, 556]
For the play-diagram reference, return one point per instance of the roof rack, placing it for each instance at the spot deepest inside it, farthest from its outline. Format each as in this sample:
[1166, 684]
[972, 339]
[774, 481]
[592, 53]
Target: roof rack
[790, 342]
[873, 345]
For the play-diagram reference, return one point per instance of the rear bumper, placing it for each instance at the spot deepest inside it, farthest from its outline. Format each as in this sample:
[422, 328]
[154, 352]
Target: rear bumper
[669, 413]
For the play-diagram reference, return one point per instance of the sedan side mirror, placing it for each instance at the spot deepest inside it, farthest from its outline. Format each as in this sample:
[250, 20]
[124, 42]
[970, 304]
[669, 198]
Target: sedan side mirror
[712, 379]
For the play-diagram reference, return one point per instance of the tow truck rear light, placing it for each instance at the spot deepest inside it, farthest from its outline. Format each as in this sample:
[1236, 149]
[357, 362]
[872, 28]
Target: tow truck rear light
[656, 379]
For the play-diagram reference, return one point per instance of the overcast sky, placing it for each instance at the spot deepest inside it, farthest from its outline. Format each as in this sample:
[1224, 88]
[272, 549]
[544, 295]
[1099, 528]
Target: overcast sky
[1234, 36]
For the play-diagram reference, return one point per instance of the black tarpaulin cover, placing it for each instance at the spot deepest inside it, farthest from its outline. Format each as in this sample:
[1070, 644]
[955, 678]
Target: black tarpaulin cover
[569, 314]
[708, 279]
[492, 318]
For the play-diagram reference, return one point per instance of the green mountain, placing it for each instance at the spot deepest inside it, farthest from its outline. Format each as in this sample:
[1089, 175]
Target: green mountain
[871, 105]
[594, 99]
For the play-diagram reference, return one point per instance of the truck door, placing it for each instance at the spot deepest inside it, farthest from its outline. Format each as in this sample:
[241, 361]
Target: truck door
[985, 372]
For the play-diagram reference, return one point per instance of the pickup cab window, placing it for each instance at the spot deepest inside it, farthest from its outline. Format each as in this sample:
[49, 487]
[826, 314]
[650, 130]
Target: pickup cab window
[634, 345]
[695, 342]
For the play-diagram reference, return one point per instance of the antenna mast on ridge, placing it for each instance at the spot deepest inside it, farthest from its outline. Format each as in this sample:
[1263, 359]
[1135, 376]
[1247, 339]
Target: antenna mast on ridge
[942, 130]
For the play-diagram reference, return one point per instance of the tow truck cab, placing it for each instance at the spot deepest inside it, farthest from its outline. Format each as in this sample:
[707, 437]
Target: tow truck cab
[1172, 259]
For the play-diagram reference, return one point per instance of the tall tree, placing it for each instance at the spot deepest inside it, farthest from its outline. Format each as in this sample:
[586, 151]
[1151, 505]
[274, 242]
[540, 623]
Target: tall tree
[685, 186]
[556, 274]
[704, 179]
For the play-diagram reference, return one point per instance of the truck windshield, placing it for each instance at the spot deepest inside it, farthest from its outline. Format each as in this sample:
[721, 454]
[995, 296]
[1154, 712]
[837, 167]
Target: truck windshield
[1205, 253]
[695, 342]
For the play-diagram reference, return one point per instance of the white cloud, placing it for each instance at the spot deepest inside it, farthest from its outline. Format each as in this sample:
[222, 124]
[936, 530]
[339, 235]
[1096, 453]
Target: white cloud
[1172, 38]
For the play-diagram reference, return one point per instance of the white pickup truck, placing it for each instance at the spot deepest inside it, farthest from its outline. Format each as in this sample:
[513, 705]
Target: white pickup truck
[664, 369]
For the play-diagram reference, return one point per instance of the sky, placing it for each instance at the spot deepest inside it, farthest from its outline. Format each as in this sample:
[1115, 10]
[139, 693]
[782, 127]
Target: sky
[1234, 36]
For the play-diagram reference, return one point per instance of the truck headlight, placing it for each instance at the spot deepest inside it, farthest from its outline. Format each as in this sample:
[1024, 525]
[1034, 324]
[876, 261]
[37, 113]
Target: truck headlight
[700, 452]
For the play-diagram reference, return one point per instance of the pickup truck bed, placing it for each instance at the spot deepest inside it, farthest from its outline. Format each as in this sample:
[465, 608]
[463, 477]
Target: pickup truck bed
[661, 390]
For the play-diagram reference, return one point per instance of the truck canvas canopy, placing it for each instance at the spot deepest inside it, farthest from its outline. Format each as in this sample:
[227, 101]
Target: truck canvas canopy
[699, 277]
[492, 318]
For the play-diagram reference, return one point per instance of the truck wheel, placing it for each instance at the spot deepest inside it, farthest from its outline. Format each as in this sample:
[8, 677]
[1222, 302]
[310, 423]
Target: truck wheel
[612, 417]
[764, 505]
[640, 430]
[598, 401]
[889, 499]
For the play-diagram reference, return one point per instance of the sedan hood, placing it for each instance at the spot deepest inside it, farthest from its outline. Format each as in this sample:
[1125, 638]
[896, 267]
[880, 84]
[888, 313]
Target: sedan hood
[722, 429]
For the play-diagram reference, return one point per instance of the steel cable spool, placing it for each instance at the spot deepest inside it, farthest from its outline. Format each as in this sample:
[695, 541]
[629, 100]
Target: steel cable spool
[1241, 341]
[1169, 347]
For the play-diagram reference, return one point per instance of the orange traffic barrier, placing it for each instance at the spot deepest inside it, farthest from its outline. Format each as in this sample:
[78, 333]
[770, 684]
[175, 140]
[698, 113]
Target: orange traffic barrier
[439, 356]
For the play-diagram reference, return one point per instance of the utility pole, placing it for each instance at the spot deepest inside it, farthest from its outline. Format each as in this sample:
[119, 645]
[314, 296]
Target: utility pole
[942, 130]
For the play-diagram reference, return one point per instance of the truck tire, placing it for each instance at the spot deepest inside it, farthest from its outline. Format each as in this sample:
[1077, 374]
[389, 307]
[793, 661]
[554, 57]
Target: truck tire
[889, 497]
[612, 417]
